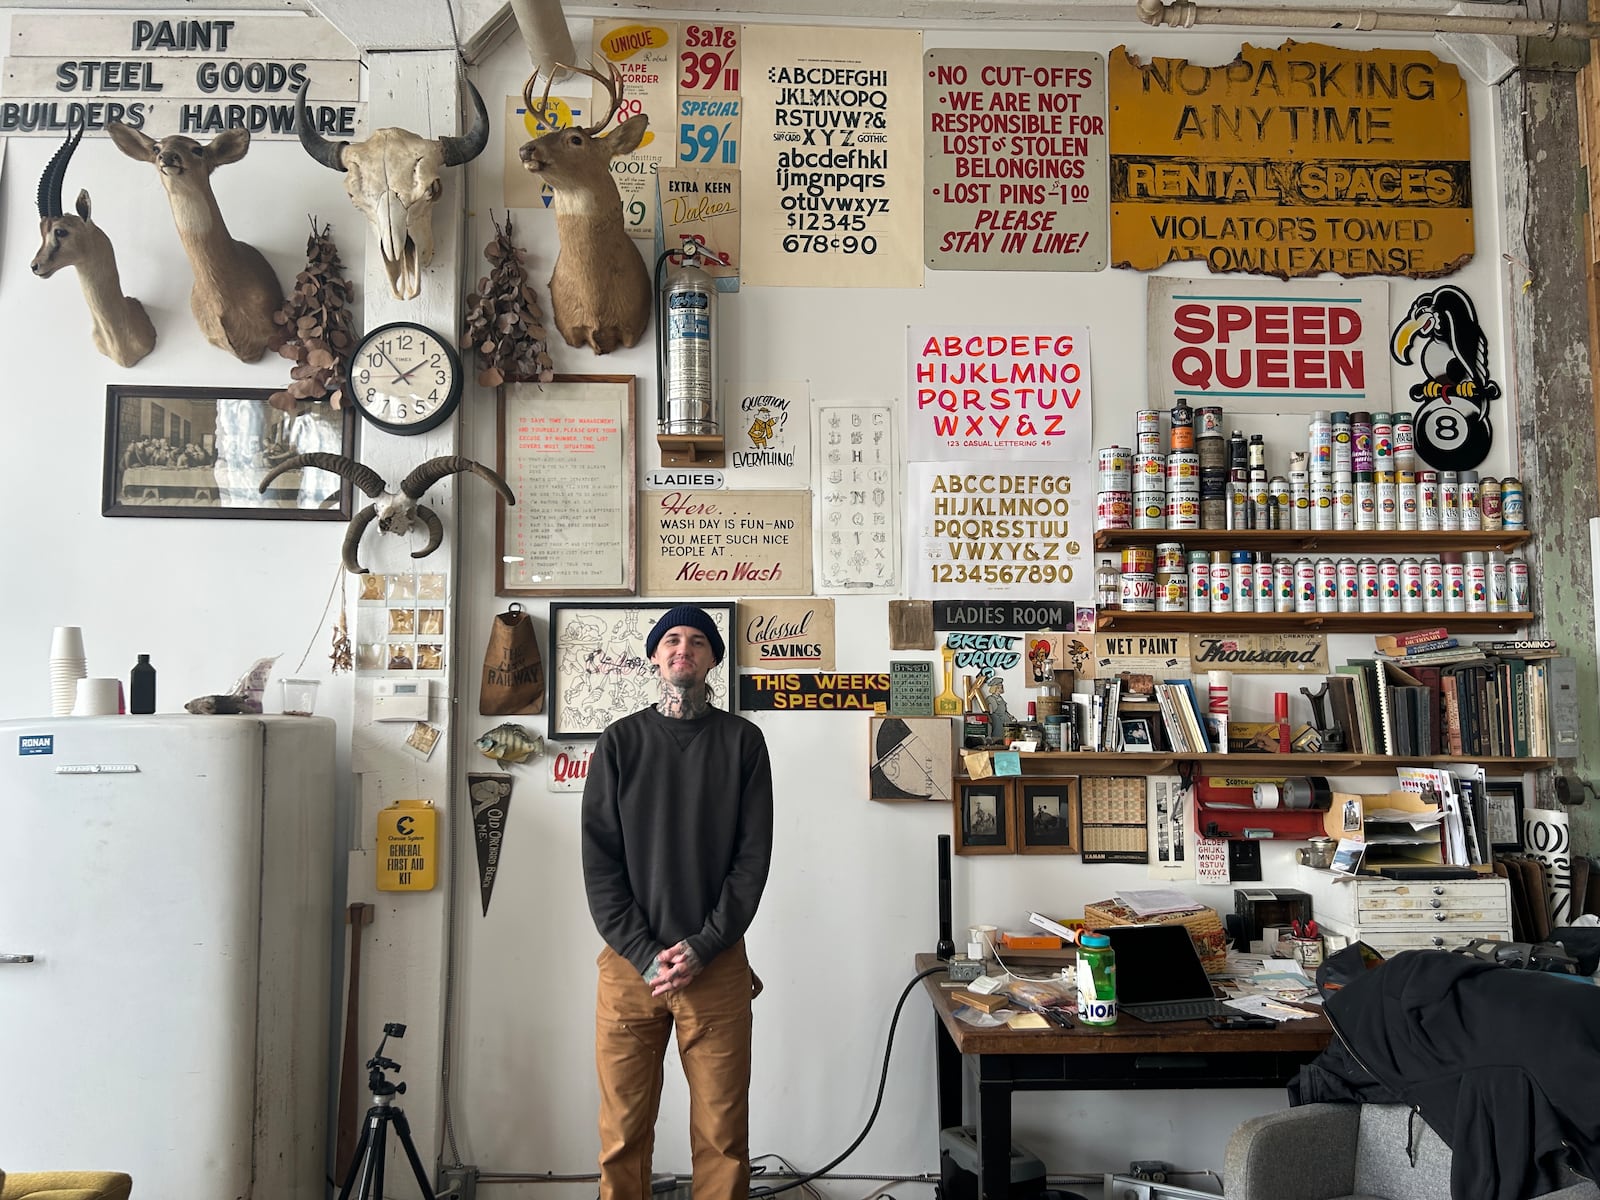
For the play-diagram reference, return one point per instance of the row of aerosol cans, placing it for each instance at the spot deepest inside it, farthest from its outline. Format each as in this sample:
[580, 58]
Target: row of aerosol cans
[1360, 472]
[1168, 578]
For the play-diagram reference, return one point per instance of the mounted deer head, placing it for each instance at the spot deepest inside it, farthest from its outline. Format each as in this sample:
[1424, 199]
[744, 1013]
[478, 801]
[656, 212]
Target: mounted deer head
[123, 331]
[394, 178]
[395, 512]
[600, 291]
[235, 289]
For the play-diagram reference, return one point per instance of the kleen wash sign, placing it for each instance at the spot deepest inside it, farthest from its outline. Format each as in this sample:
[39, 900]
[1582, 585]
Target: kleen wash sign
[1262, 346]
[1004, 394]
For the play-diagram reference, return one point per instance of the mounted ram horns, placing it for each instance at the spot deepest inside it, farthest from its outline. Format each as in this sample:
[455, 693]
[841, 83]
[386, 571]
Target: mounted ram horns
[56, 171]
[395, 512]
[394, 178]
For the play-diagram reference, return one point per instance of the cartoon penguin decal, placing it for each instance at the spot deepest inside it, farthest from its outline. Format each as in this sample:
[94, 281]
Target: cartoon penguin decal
[1441, 334]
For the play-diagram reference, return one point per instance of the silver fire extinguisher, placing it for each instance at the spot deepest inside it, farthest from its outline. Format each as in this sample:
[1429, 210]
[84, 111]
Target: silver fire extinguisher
[686, 357]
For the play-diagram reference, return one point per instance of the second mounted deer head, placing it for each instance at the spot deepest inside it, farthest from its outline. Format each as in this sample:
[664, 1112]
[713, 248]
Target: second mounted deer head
[235, 289]
[600, 291]
[123, 331]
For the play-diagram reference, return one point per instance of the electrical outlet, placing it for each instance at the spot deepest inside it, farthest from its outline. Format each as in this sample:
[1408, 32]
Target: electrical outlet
[1150, 1170]
[458, 1183]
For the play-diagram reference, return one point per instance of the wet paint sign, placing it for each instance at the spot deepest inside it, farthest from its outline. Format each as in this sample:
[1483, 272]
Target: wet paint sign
[1291, 162]
[1015, 145]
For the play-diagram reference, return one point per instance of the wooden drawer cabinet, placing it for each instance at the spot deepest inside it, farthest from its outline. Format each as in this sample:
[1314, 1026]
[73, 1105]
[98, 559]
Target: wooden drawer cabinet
[1392, 915]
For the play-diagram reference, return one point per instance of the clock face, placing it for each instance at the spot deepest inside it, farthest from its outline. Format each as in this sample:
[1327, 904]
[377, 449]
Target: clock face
[405, 378]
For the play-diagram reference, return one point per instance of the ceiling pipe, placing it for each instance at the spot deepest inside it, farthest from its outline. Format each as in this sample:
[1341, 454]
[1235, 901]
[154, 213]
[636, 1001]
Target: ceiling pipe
[1184, 14]
[544, 31]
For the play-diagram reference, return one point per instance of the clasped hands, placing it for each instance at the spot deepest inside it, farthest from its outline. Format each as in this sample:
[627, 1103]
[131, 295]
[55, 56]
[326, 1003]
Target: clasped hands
[675, 968]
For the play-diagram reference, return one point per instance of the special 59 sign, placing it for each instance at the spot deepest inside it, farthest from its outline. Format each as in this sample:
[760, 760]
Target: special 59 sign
[980, 529]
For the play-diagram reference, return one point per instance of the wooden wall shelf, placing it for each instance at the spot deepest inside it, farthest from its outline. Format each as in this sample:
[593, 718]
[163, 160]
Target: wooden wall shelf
[1342, 541]
[1256, 766]
[692, 450]
[1115, 620]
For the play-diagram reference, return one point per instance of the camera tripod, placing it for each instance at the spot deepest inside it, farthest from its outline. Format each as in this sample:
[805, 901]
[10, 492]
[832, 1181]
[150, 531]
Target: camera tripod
[371, 1151]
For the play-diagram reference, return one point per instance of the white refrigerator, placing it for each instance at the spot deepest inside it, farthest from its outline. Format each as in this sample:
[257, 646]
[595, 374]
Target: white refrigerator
[165, 925]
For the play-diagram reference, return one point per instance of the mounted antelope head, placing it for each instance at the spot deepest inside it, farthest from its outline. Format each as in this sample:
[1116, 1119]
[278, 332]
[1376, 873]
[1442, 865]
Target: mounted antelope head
[123, 331]
[600, 291]
[235, 290]
[396, 512]
[394, 178]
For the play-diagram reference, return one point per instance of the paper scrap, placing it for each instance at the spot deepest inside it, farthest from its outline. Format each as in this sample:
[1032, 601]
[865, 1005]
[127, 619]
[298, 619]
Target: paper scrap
[977, 763]
[1007, 762]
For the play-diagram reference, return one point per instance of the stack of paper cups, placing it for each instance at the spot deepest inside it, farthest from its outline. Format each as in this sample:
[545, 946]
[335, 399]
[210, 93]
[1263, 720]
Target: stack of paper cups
[97, 698]
[67, 666]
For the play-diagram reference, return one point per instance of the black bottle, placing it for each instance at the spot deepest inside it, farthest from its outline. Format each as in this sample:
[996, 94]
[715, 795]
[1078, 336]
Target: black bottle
[142, 686]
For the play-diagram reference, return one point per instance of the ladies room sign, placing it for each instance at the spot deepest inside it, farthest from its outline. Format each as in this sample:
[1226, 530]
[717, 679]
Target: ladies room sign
[726, 543]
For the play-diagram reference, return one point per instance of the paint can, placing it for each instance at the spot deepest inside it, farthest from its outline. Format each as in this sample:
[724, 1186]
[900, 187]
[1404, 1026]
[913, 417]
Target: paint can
[1388, 586]
[1183, 465]
[1149, 471]
[1499, 583]
[1266, 586]
[1490, 499]
[1114, 464]
[1471, 501]
[1449, 501]
[1147, 423]
[1209, 422]
[1366, 501]
[1181, 420]
[1138, 560]
[1370, 582]
[1360, 442]
[1382, 442]
[1455, 583]
[1113, 510]
[1513, 507]
[1406, 499]
[1405, 442]
[1519, 584]
[1221, 581]
[1327, 585]
[1410, 585]
[1170, 556]
[1321, 443]
[1172, 590]
[1199, 581]
[1244, 581]
[1477, 582]
[1344, 501]
[1138, 591]
[1428, 500]
[1432, 584]
[1149, 510]
[1321, 502]
[1283, 585]
[1349, 586]
[1342, 458]
[1305, 586]
[1388, 499]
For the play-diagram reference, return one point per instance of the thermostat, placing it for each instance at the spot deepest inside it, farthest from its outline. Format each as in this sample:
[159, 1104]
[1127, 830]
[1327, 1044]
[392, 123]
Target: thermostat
[396, 700]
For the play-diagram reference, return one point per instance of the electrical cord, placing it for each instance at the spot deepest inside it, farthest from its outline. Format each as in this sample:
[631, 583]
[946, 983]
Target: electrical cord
[883, 1079]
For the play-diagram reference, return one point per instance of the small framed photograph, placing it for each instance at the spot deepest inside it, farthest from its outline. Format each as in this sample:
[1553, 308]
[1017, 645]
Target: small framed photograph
[1504, 804]
[1136, 734]
[912, 758]
[1047, 816]
[1347, 858]
[984, 824]
[203, 451]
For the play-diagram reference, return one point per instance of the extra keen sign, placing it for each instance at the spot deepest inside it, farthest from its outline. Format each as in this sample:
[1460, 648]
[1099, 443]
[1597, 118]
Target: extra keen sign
[1291, 162]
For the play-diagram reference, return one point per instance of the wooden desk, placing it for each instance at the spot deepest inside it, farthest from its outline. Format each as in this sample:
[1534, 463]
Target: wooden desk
[1132, 1054]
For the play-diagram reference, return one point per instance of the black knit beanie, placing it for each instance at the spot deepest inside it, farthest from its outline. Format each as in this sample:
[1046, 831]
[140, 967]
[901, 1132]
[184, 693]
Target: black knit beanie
[695, 618]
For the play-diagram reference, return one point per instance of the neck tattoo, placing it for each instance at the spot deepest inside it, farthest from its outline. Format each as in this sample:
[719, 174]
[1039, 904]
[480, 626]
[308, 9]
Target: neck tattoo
[683, 703]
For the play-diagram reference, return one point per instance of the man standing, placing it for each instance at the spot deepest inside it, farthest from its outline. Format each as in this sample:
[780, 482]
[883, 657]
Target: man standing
[677, 838]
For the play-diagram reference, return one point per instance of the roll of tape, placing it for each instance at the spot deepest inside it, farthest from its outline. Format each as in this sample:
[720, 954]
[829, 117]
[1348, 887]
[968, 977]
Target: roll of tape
[1266, 795]
[1307, 793]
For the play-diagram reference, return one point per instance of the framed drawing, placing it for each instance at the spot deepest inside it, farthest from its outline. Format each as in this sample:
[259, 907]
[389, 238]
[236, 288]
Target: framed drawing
[1504, 805]
[1047, 816]
[912, 758]
[202, 452]
[983, 818]
[566, 448]
[598, 671]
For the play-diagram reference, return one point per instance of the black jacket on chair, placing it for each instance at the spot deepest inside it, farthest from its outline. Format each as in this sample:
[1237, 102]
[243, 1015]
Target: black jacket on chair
[1504, 1064]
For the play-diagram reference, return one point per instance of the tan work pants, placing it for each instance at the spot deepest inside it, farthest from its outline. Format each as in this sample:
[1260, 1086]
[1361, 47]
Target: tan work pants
[712, 1018]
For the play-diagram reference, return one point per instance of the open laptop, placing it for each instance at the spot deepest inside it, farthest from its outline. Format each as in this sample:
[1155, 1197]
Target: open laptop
[1160, 976]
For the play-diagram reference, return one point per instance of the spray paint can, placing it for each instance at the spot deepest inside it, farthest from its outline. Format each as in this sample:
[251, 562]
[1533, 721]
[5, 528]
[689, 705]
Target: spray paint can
[1388, 585]
[1266, 586]
[1349, 586]
[1405, 444]
[1388, 499]
[1283, 585]
[1490, 500]
[1244, 581]
[1449, 501]
[1455, 583]
[1432, 584]
[1382, 442]
[1406, 499]
[1471, 502]
[1477, 582]
[1499, 583]
[1342, 458]
[1410, 585]
[1519, 584]
[1199, 581]
[1327, 585]
[1371, 588]
[1305, 586]
[1360, 442]
[1513, 508]
[1344, 501]
[1428, 500]
[1321, 501]
[1321, 443]
[1221, 581]
[1366, 501]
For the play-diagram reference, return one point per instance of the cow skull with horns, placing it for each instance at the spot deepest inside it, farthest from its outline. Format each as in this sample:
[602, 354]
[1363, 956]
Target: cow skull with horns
[395, 512]
[394, 178]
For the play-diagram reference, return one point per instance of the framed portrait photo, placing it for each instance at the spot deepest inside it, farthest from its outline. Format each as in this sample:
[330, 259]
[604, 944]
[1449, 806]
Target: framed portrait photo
[983, 823]
[203, 451]
[1047, 816]
[1136, 734]
[598, 670]
[911, 758]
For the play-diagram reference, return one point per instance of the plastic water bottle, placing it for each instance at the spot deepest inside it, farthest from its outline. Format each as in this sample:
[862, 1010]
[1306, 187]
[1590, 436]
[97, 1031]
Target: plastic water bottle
[1097, 981]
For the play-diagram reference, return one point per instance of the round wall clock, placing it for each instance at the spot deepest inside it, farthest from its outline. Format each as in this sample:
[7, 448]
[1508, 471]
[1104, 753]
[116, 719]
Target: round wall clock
[405, 377]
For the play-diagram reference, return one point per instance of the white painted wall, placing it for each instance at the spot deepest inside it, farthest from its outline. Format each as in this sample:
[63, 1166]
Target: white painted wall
[851, 897]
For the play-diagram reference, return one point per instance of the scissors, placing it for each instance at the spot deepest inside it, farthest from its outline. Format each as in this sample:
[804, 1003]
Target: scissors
[1304, 929]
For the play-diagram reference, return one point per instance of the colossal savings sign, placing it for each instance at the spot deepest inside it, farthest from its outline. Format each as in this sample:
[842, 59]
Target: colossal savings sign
[1009, 394]
[1258, 346]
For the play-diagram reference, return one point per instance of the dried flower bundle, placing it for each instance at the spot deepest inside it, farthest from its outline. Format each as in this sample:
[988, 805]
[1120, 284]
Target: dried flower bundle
[314, 327]
[503, 323]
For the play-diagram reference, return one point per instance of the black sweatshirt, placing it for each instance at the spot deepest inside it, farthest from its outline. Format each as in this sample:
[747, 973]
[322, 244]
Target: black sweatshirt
[677, 833]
